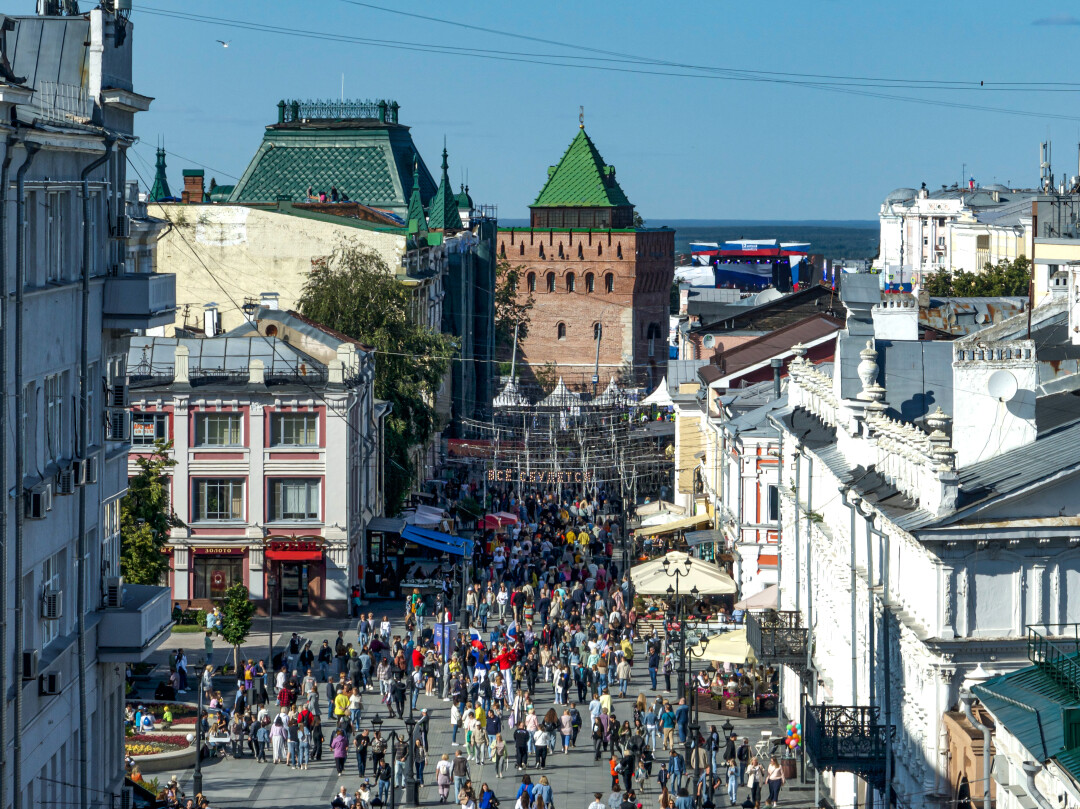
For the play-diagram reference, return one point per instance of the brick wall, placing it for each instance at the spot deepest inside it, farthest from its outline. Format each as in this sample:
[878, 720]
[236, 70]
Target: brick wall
[637, 267]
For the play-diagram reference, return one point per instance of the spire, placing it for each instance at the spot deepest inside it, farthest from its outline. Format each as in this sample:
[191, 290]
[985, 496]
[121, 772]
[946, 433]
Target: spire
[415, 217]
[160, 189]
[444, 206]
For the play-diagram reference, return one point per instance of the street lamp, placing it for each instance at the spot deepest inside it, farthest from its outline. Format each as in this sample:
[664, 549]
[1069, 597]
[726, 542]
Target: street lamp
[205, 682]
[692, 651]
[412, 786]
[677, 572]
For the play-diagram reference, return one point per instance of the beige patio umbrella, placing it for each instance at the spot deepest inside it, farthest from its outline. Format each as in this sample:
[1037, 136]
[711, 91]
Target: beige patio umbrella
[729, 647]
[653, 578]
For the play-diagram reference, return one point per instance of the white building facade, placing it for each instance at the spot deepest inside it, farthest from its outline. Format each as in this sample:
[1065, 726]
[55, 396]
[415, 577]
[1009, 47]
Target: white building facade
[70, 298]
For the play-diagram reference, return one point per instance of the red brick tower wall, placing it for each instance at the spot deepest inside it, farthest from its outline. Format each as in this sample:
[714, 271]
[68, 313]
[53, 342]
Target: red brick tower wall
[641, 266]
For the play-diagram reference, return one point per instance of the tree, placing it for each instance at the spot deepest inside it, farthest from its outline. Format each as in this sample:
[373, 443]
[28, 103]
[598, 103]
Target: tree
[510, 308]
[638, 221]
[146, 519]
[355, 292]
[1006, 278]
[236, 615]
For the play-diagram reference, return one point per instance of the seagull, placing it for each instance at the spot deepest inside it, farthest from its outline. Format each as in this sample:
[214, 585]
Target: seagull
[224, 44]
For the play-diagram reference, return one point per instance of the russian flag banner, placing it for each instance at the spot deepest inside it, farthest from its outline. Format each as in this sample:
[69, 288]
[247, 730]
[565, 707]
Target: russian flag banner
[477, 643]
[512, 631]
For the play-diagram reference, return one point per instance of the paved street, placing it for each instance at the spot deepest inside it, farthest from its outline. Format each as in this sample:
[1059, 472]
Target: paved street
[574, 777]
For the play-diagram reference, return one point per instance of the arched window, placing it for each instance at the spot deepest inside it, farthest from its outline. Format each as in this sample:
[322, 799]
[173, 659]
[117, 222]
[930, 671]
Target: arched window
[541, 251]
[532, 282]
[599, 249]
[618, 251]
[551, 282]
[271, 331]
[571, 282]
[560, 331]
[597, 330]
[653, 334]
[521, 249]
[502, 249]
[580, 252]
[609, 283]
[590, 282]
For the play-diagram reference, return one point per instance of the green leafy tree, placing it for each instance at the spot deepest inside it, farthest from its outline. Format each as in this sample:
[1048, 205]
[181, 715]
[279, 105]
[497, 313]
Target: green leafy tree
[146, 518]
[547, 376]
[1006, 278]
[511, 309]
[638, 221]
[355, 292]
[236, 615]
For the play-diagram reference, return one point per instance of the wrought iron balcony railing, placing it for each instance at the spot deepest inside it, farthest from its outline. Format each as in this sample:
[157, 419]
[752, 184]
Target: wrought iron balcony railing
[1058, 656]
[845, 738]
[777, 637]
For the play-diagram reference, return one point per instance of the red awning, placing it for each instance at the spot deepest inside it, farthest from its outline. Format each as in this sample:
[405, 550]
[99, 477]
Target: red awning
[281, 555]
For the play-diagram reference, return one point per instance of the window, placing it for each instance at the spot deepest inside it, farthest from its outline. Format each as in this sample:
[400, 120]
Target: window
[218, 430]
[216, 574]
[774, 503]
[597, 330]
[652, 335]
[218, 500]
[54, 236]
[92, 416]
[609, 283]
[571, 282]
[590, 282]
[54, 416]
[51, 579]
[532, 282]
[560, 331]
[295, 430]
[149, 428]
[551, 282]
[982, 242]
[294, 500]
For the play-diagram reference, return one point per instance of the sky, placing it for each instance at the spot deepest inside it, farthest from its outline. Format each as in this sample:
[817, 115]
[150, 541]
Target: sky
[693, 146]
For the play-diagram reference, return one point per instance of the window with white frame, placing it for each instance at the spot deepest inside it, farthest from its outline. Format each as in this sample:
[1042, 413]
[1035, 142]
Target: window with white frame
[218, 500]
[774, 503]
[294, 429]
[294, 499]
[54, 416]
[52, 576]
[218, 430]
[92, 416]
[149, 428]
[55, 236]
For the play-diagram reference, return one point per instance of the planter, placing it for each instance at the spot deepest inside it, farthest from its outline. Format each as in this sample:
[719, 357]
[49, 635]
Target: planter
[788, 765]
[166, 761]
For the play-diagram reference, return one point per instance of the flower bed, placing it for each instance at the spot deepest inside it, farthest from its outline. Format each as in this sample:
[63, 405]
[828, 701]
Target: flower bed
[146, 744]
[183, 712]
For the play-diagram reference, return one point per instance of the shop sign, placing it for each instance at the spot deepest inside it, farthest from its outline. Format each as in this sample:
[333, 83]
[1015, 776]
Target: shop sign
[219, 551]
[288, 545]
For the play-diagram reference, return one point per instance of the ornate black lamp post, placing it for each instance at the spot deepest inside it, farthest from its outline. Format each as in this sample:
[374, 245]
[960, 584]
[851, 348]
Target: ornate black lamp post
[677, 572]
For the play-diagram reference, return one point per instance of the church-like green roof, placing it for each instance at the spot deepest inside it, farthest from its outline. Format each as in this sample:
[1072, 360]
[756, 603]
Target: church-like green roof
[443, 214]
[581, 180]
[160, 189]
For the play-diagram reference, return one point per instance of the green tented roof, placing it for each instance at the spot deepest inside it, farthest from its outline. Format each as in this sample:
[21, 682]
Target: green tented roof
[443, 214]
[372, 164]
[581, 180]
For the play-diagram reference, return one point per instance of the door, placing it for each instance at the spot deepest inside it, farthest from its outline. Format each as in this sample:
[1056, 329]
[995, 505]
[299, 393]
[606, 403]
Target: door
[294, 587]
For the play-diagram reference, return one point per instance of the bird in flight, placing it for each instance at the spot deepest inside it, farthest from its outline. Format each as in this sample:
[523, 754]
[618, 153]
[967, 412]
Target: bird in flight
[224, 44]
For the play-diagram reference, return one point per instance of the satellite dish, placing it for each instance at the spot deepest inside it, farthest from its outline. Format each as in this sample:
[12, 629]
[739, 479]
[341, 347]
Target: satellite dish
[1002, 386]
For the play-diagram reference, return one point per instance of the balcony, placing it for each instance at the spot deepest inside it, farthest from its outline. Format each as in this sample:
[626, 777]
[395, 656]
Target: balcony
[845, 738]
[777, 637]
[130, 632]
[139, 300]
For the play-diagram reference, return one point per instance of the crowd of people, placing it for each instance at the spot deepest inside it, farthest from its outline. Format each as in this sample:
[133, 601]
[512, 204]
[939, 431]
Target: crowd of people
[549, 654]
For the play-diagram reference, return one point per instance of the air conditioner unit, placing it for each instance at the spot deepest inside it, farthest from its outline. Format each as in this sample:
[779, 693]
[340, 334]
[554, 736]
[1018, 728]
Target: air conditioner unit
[123, 229]
[118, 425]
[52, 605]
[114, 591]
[117, 395]
[49, 684]
[68, 478]
[30, 660]
[37, 502]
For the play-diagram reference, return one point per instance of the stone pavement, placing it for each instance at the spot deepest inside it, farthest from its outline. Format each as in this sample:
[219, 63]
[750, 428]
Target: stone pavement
[236, 784]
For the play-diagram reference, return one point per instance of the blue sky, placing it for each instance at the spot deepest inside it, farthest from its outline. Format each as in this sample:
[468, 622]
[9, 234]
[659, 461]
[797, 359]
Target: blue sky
[684, 147]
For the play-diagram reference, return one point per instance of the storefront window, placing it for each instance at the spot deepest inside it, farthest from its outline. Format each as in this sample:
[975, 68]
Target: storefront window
[216, 574]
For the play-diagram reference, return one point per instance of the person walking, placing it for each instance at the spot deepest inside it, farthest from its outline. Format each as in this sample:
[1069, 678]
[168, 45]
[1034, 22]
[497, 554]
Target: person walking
[460, 771]
[361, 744]
[755, 777]
[339, 745]
[540, 742]
[732, 782]
[278, 738]
[383, 774]
[498, 753]
[543, 791]
[775, 779]
[419, 760]
[443, 777]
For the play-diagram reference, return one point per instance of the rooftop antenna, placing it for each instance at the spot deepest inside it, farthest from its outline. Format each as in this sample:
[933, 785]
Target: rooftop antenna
[581, 117]
[342, 88]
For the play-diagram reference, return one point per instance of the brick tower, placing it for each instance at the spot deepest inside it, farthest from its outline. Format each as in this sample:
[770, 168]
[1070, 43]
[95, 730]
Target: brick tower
[592, 273]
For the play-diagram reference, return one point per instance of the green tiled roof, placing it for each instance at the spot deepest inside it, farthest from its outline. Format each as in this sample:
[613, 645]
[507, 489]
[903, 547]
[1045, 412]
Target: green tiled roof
[415, 218]
[581, 179]
[464, 201]
[443, 214]
[160, 189]
[371, 162]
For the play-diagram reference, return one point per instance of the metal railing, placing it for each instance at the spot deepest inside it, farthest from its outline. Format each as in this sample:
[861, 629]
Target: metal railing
[846, 738]
[1059, 657]
[330, 110]
[62, 103]
[777, 636]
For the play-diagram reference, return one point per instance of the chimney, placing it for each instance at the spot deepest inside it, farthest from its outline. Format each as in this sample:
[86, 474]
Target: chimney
[180, 366]
[269, 300]
[211, 319]
[193, 186]
[256, 373]
[777, 365]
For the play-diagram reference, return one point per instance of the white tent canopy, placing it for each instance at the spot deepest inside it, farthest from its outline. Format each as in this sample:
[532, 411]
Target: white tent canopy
[611, 395]
[562, 396]
[651, 578]
[759, 601]
[510, 396]
[661, 396]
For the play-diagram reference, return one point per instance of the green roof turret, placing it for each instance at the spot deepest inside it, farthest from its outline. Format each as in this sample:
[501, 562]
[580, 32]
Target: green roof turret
[444, 206]
[415, 218]
[160, 189]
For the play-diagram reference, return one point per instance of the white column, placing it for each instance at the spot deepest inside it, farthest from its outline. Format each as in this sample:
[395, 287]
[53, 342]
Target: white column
[256, 493]
[181, 573]
[181, 444]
